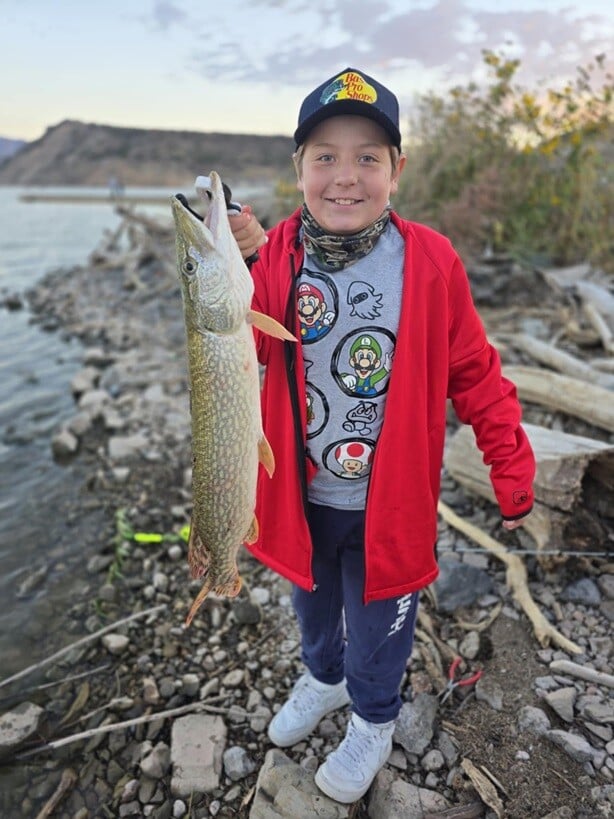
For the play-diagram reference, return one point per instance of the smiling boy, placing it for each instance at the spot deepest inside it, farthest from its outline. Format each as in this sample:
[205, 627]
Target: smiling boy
[358, 551]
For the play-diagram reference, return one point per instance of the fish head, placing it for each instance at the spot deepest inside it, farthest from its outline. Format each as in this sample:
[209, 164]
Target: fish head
[215, 283]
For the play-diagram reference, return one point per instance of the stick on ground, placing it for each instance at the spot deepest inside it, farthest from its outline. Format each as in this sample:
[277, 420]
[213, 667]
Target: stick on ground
[81, 642]
[516, 577]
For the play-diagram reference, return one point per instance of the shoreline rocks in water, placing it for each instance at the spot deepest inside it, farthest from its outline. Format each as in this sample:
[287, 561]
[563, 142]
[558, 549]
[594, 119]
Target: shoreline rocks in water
[544, 736]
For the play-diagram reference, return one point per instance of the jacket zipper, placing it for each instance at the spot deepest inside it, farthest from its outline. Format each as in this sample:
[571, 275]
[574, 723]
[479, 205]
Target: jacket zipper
[290, 363]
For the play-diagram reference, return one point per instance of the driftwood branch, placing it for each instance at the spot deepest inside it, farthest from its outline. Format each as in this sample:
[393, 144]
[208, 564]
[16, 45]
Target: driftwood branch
[589, 402]
[516, 578]
[446, 651]
[201, 705]
[559, 360]
[83, 641]
[581, 672]
[485, 788]
[601, 326]
[67, 782]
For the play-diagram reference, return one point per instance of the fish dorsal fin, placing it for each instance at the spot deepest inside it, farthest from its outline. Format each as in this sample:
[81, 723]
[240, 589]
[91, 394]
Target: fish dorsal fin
[265, 456]
[269, 325]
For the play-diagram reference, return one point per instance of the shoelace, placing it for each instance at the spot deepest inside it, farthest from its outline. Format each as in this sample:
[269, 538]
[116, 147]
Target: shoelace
[304, 697]
[355, 748]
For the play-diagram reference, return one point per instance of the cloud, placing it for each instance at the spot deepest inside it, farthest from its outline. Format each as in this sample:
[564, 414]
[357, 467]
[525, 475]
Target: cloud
[164, 15]
[296, 43]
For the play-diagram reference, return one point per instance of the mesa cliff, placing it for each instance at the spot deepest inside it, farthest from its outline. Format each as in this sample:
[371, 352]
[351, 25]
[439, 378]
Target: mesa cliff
[78, 153]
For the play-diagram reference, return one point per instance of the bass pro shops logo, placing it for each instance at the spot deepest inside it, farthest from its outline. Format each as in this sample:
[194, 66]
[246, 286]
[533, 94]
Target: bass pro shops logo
[348, 86]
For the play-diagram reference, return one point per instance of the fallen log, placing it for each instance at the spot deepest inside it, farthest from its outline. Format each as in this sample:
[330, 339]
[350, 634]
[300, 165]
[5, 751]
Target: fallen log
[574, 479]
[560, 360]
[590, 402]
[562, 279]
[599, 296]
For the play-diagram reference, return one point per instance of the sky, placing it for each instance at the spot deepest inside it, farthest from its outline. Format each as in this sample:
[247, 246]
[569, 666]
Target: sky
[244, 66]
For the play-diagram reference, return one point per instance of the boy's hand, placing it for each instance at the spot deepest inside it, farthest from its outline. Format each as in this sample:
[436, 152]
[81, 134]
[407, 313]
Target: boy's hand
[510, 525]
[248, 232]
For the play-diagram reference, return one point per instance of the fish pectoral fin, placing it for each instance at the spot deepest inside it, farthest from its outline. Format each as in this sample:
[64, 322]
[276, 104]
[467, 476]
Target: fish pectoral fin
[269, 325]
[253, 531]
[265, 456]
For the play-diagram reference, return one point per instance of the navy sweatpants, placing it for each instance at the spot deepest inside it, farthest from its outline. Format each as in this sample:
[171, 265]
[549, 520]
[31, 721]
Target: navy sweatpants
[340, 636]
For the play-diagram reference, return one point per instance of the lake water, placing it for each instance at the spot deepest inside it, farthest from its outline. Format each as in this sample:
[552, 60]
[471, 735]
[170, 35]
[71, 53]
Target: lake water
[36, 368]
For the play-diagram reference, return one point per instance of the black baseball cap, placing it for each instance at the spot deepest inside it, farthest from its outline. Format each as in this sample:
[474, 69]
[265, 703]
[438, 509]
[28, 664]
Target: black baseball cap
[350, 92]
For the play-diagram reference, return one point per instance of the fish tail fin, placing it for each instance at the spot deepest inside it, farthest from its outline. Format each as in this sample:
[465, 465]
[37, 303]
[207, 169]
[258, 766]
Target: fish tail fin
[265, 456]
[269, 325]
[198, 601]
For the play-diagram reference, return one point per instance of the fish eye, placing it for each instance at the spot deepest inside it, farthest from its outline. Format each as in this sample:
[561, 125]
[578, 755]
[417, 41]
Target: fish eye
[189, 268]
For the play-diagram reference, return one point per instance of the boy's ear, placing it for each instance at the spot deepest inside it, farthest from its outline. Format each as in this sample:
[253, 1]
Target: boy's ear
[394, 182]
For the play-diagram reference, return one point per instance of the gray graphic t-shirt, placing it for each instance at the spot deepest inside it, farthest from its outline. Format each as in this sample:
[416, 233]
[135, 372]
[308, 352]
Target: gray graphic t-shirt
[349, 321]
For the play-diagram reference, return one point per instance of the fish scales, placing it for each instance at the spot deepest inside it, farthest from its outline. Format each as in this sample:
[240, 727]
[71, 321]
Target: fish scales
[227, 437]
[225, 434]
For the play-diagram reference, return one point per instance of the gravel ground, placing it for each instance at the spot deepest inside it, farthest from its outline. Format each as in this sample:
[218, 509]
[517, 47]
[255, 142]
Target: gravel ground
[543, 739]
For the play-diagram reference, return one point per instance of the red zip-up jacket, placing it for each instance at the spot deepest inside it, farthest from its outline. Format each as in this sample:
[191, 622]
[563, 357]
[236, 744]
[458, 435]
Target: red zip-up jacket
[441, 352]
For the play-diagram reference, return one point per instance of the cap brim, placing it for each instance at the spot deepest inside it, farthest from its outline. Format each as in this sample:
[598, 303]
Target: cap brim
[340, 107]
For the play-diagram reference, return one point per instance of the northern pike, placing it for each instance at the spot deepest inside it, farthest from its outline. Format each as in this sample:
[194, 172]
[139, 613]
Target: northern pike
[227, 437]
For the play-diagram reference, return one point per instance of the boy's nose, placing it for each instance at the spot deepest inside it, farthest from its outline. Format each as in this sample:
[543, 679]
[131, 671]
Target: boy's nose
[346, 173]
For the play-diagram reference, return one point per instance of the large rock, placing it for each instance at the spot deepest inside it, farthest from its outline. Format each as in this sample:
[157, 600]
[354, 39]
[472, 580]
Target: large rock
[416, 723]
[459, 585]
[19, 725]
[392, 798]
[197, 746]
[285, 790]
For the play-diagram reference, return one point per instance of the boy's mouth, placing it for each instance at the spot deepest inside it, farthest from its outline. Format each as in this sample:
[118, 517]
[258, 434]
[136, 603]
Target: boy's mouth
[345, 201]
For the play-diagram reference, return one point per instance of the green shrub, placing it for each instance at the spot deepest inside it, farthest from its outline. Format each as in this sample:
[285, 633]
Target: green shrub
[521, 172]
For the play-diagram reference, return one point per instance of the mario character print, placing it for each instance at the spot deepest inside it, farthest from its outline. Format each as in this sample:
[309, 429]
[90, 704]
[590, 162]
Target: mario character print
[317, 410]
[349, 459]
[317, 306]
[369, 355]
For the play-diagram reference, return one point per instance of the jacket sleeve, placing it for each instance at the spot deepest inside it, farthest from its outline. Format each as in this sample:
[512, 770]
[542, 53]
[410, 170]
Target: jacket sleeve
[482, 397]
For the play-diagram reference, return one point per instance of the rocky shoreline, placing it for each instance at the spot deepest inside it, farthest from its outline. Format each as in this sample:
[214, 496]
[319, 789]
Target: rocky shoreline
[528, 741]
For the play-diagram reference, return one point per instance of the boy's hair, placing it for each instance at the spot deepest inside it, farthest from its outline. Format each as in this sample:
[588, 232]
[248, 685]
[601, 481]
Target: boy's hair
[350, 92]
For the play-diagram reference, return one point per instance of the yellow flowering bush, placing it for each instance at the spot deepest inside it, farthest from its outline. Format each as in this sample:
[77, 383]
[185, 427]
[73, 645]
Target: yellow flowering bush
[518, 171]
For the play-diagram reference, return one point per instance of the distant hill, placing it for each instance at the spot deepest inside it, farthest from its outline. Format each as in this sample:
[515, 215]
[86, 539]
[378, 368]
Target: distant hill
[78, 153]
[8, 147]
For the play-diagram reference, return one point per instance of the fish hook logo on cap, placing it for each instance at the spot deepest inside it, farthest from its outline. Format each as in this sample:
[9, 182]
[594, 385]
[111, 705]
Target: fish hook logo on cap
[350, 92]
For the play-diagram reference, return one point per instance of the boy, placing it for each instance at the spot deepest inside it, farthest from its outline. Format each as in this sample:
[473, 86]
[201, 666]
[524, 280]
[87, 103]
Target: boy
[356, 417]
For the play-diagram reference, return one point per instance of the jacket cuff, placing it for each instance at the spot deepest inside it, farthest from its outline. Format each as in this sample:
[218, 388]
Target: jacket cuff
[519, 516]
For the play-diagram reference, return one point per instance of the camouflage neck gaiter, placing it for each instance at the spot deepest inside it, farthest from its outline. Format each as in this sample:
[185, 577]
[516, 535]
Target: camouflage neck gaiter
[336, 251]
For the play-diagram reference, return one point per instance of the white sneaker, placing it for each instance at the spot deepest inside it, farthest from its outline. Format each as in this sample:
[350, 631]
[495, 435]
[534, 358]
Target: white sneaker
[309, 701]
[348, 772]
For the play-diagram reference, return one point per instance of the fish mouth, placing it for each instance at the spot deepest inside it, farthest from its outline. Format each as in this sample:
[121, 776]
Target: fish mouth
[183, 201]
